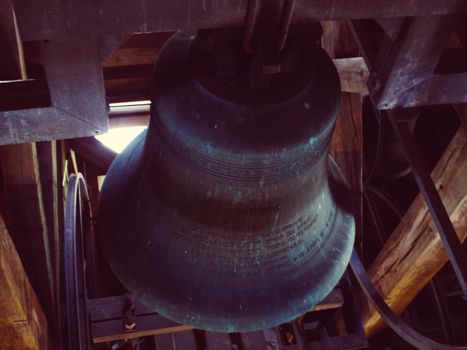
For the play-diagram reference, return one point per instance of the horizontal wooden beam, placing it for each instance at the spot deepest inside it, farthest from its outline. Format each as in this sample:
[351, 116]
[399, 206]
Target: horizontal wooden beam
[22, 322]
[132, 83]
[117, 18]
[414, 253]
[106, 316]
[78, 104]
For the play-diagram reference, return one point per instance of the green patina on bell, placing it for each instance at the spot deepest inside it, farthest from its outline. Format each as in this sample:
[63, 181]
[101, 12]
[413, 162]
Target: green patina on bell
[227, 214]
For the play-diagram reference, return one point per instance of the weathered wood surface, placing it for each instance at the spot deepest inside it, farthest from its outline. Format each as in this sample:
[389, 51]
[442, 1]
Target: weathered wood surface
[105, 315]
[353, 74]
[26, 219]
[12, 64]
[93, 151]
[184, 340]
[414, 253]
[347, 142]
[50, 183]
[218, 341]
[23, 325]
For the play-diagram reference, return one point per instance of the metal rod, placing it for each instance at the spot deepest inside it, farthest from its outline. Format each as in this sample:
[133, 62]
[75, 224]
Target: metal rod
[287, 12]
[400, 327]
[438, 212]
[443, 313]
[250, 21]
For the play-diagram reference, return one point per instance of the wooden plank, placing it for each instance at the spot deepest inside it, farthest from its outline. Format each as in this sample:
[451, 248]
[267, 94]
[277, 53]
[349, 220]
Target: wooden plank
[26, 220]
[40, 20]
[334, 300]
[109, 308]
[353, 74]
[106, 315]
[217, 341]
[138, 49]
[22, 324]
[414, 253]
[253, 340]
[176, 341]
[146, 325]
[348, 342]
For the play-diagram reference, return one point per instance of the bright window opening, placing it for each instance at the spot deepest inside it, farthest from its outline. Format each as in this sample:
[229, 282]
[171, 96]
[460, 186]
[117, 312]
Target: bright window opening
[118, 138]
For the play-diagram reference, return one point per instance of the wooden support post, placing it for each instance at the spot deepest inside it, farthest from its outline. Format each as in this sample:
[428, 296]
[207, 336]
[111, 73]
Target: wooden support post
[414, 253]
[347, 142]
[50, 182]
[22, 322]
[26, 220]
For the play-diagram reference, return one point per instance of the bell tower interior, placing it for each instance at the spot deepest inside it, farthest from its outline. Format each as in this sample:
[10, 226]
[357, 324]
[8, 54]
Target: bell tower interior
[245, 174]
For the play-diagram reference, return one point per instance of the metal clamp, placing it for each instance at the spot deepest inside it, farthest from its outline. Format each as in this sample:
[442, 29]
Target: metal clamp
[129, 320]
[266, 28]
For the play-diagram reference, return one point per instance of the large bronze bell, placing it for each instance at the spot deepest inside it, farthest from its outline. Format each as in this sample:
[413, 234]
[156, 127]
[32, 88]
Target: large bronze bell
[228, 214]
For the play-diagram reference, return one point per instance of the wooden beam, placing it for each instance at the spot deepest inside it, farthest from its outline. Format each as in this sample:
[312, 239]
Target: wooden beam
[26, 220]
[138, 49]
[414, 253]
[94, 152]
[12, 64]
[105, 315]
[353, 74]
[180, 340]
[51, 188]
[347, 142]
[22, 322]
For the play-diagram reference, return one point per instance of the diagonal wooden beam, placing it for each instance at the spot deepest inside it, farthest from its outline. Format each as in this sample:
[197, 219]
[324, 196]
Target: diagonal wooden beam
[414, 253]
[94, 152]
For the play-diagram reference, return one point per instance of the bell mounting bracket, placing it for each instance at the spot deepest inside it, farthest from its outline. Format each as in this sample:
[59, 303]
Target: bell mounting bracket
[266, 28]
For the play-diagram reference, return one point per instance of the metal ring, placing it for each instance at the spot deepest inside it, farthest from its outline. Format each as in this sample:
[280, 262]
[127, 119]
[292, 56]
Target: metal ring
[400, 327]
[75, 319]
